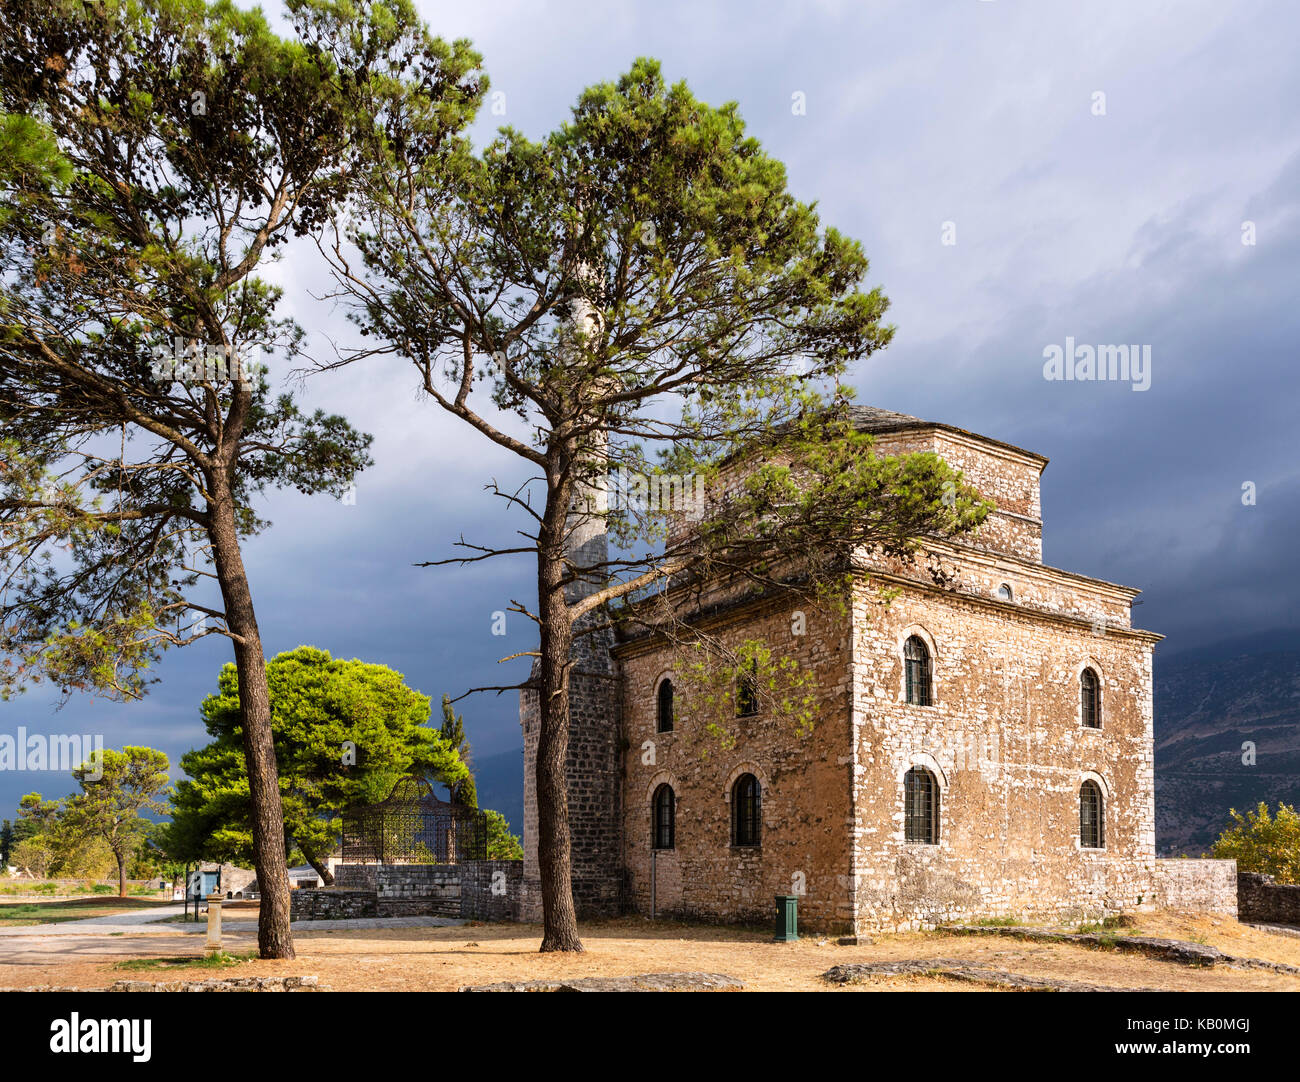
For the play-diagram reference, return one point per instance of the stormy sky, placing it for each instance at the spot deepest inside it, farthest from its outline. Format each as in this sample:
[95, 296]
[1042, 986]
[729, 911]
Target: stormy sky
[1098, 164]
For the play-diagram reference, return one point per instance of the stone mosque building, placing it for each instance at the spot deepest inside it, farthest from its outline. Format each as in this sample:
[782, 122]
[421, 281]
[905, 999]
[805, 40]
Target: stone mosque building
[983, 745]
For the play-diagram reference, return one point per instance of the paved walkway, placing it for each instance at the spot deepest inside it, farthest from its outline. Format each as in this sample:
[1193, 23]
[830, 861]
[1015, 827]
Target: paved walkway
[140, 920]
[37, 947]
[372, 922]
[331, 925]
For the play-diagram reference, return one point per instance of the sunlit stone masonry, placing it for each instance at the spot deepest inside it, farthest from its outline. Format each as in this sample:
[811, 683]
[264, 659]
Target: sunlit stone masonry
[982, 744]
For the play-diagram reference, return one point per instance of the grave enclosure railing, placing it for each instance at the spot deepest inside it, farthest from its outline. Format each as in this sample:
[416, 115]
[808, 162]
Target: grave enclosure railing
[412, 826]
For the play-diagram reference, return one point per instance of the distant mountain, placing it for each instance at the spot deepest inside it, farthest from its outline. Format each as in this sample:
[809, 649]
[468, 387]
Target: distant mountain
[500, 782]
[1208, 703]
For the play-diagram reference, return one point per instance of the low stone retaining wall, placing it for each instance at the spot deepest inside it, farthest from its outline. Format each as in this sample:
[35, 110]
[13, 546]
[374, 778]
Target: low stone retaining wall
[331, 904]
[961, 969]
[1196, 886]
[216, 984]
[1167, 950]
[644, 982]
[1259, 898]
[226, 984]
[485, 890]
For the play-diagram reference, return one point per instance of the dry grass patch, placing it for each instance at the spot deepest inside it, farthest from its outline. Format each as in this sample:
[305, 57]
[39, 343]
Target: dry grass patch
[30, 910]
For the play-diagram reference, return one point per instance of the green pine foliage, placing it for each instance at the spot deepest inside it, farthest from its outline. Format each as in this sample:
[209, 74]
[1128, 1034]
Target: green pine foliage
[345, 731]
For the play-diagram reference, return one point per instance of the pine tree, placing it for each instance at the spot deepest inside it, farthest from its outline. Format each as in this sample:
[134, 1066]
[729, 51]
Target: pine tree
[152, 159]
[641, 289]
[453, 733]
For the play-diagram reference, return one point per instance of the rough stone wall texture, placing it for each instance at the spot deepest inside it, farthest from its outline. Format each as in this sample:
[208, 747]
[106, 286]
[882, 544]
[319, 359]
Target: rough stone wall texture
[1005, 741]
[331, 903]
[1007, 478]
[419, 890]
[473, 890]
[1197, 886]
[357, 876]
[383, 890]
[397, 881]
[1035, 587]
[805, 785]
[592, 773]
[326, 903]
[1261, 899]
[490, 889]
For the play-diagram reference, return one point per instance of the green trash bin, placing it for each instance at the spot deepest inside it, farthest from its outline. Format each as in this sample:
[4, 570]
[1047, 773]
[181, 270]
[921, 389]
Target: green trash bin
[787, 918]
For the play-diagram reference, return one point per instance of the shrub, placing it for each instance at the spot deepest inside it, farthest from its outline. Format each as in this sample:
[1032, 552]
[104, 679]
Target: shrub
[1259, 842]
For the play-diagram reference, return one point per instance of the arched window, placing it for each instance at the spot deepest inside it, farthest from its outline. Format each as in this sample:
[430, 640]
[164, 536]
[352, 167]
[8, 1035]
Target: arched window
[746, 811]
[920, 806]
[1004, 592]
[1090, 698]
[664, 813]
[747, 692]
[665, 711]
[916, 664]
[1092, 831]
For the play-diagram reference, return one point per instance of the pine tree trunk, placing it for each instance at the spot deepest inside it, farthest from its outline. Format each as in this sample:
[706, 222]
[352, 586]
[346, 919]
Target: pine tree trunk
[273, 936]
[559, 918]
[121, 875]
[326, 876]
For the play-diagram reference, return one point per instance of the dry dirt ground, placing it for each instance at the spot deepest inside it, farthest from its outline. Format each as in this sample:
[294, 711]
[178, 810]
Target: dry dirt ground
[443, 959]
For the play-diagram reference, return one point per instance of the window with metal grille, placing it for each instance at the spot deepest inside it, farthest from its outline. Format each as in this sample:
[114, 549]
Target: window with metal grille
[746, 811]
[1090, 692]
[1092, 833]
[664, 813]
[916, 665]
[747, 692]
[665, 712]
[920, 806]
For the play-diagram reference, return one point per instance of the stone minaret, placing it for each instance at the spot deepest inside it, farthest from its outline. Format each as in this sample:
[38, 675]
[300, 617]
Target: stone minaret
[593, 767]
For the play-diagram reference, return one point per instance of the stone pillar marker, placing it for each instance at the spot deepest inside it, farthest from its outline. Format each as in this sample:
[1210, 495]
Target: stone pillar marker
[214, 922]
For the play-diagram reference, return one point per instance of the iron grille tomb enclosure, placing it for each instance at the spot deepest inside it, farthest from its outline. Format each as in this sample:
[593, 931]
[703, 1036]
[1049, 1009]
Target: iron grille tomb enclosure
[412, 826]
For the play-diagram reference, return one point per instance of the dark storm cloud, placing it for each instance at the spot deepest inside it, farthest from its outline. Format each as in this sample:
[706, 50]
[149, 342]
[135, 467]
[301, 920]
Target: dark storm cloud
[1122, 228]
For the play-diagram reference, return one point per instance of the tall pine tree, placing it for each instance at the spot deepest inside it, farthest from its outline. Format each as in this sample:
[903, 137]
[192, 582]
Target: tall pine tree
[152, 159]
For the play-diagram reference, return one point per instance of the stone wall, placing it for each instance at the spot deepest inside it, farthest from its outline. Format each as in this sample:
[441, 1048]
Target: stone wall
[1197, 886]
[357, 876]
[1005, 742]
[804, 779]
[219, 984]
[1007, 477]
[1262, 900]
[424, 890]
[331, 903]
[473, 890]
[389, 890]
[491, 890]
